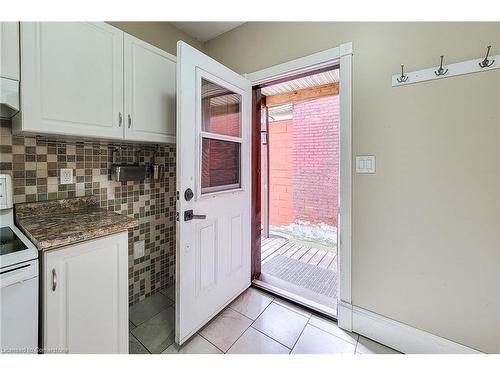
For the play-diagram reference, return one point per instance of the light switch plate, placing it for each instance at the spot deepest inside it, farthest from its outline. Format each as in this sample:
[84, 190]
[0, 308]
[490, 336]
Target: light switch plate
[66, 176]
[365, 164]
[139, 249]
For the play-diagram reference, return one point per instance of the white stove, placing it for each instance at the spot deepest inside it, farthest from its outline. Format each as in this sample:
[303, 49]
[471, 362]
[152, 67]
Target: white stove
[18, 281]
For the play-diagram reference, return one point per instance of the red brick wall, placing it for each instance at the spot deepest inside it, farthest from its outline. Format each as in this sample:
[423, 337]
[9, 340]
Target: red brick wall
[281, 172]
[316, 160]
[220, 160]
[304, 164]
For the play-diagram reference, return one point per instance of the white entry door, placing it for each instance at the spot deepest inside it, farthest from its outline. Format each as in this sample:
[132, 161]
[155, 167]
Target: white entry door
[214, 187]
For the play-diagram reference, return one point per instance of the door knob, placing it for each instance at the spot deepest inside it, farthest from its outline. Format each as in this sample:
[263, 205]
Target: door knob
[188, 215]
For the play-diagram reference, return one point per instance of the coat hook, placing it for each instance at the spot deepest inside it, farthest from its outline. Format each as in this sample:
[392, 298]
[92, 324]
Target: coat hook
[487, 63]
[403, 77]
[441, 71]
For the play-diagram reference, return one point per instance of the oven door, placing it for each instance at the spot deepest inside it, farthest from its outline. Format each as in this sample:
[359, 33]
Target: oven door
[19, 308]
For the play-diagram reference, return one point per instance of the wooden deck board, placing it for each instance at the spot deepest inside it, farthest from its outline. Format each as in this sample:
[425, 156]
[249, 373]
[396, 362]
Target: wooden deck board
[325, 262]
[308, 256]
[273, 246]
[280, 251]
[333, 264]
[300, 252]
[318, 257]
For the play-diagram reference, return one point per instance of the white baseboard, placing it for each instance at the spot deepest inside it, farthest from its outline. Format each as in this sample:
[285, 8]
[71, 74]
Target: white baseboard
[344, 315]
[397, 335]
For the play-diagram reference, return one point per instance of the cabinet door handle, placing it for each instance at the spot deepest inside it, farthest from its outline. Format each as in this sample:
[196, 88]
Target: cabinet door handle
[54, 279]
[119, 119]
[129, 121]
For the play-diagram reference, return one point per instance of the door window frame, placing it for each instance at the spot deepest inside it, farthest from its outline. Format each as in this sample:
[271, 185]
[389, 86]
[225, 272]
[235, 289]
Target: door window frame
[201, 134]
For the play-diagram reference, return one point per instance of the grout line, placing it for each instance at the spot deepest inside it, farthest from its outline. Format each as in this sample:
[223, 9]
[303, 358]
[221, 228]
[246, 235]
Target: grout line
[251, 325]
[301, 332]
[357, 343]
[274, 301]
[272, 338]
[152, 316]
[147, 320]
[253, 321]
[332, 334]
[206, 338]
[235, 341]
[140, 342]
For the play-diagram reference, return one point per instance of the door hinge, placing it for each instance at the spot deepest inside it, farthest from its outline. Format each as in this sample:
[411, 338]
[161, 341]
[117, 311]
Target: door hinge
[177, 195]
[177, 216]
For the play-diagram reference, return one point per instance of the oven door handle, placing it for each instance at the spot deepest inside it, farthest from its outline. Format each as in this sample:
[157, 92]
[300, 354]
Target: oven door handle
[19, 274]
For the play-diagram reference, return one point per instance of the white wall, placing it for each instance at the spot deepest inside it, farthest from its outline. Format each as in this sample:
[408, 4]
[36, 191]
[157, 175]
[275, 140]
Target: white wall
[426, 245]
[160, 34]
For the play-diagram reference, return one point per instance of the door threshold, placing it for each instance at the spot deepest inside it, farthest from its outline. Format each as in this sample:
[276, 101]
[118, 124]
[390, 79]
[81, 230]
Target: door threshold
[296, 299]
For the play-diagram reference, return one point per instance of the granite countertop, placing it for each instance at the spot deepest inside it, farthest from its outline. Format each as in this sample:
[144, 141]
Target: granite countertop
[58, 223]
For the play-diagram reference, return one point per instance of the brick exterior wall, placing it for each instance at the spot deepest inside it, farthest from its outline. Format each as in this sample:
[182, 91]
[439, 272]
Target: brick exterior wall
[281, 172]
[220, 160]
[304, 164]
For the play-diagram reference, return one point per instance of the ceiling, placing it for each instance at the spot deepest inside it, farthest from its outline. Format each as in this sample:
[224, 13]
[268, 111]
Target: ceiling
[323, 78]
[204, 31]
[285, 111]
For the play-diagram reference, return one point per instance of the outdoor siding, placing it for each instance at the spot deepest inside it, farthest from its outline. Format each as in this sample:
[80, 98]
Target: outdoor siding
[281, 172]
[304, 164]
[316, 160]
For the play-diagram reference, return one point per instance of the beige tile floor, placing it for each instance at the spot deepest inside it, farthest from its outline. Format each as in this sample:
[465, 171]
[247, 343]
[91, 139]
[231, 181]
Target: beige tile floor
[255, 323]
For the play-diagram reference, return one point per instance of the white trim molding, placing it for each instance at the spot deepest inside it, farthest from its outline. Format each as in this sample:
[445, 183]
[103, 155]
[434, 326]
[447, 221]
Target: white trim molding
[399, 336]
[345, 183]
[342, 56]
[301, 65]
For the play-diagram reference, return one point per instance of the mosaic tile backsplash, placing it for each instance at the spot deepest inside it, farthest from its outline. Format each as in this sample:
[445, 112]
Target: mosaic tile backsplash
[34, 163]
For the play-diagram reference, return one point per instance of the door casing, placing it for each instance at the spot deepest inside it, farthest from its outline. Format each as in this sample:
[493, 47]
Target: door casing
[341, 55]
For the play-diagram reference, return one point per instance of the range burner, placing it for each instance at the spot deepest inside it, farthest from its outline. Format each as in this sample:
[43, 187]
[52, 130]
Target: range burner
[9, 242]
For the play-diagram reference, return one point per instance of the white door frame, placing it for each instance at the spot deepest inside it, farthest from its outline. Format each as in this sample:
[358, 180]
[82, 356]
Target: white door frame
[341, 55]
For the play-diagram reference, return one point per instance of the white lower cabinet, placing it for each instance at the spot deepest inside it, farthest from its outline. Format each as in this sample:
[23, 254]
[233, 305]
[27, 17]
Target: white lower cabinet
[85, 297]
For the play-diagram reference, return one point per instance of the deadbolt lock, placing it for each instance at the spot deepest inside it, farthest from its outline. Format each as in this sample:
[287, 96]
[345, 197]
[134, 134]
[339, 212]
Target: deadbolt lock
[188, 194]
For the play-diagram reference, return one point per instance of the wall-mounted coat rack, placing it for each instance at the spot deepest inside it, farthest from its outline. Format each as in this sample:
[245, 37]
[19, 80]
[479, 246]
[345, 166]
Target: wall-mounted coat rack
[444, 71]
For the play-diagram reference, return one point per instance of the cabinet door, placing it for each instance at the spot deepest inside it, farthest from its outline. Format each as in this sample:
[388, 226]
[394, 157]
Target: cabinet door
[85, 300]
[9, 50]
[149, 92]
[72, 79]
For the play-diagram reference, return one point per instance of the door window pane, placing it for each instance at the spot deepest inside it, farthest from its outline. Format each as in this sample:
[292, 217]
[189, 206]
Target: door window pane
[220, 165]
[221, 110]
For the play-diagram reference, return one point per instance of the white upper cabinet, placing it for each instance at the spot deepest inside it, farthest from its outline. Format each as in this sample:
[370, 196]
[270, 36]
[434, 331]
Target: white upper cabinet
[72, 80]
[91, 80]
[149, 92]
[9, 50]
